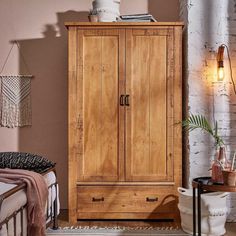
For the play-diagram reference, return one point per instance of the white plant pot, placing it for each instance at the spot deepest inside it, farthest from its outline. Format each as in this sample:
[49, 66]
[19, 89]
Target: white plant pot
[213, 209]
[107, 10]
[105, 16]
[110, 4]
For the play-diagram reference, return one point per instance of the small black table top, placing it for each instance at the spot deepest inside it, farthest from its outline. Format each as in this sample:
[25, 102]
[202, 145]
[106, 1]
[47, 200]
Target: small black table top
[205, 183]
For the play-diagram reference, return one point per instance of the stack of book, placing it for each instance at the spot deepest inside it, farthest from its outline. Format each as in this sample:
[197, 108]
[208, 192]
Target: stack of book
[137, 18]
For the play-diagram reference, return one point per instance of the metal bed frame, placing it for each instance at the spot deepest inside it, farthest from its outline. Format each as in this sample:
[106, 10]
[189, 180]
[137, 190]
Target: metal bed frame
[52, 216]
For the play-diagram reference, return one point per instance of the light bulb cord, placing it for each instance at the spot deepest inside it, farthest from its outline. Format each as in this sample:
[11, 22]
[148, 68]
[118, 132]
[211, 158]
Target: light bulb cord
[230, 67]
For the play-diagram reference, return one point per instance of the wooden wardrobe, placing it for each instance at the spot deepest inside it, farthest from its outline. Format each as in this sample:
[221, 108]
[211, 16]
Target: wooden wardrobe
[125, 105]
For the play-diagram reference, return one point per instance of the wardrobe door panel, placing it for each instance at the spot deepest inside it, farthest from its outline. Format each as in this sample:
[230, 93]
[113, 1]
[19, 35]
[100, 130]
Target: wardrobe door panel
[99, 84]
[148, 118]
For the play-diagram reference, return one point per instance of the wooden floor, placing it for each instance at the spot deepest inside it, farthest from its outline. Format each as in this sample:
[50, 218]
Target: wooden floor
[63, 222]
[230, 229]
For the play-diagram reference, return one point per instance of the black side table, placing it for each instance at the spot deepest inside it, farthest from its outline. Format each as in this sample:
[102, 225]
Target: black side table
[204, 185]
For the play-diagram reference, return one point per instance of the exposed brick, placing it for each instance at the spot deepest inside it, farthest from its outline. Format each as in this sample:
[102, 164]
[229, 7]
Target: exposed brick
[208, 24]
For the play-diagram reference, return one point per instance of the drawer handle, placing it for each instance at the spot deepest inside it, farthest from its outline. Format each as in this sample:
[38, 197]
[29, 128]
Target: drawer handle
[151, 199]
[94, 199]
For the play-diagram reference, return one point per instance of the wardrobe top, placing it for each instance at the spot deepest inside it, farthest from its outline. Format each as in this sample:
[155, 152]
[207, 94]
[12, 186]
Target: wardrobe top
[122, 24]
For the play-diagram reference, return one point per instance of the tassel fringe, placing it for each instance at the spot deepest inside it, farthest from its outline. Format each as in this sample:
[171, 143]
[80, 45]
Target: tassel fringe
[15, 101]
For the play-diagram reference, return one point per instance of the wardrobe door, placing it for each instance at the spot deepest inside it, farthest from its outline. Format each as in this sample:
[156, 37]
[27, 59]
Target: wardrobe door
[100, 84]
[149, 113]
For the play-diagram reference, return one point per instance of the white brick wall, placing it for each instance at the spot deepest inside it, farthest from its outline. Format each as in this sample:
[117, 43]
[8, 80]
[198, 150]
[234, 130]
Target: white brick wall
[208, 23]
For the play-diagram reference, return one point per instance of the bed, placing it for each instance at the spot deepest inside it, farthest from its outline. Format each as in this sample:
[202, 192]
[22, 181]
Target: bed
[13, 205]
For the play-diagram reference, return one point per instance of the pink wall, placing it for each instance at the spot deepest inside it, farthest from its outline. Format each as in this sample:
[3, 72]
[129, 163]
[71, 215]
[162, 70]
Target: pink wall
[39, 28]
[164, 10]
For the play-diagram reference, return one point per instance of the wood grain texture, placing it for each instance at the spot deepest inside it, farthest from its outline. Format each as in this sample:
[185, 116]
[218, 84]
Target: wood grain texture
[63, 222]
[101, 108]
[123, 153]
[122, 79]
[123, 24]
[177, 128]
[146, 118]
[170, 158]
[80, 102]
[127, 183]
[119, 199]
[72, 125]
[157, 107]
[128, 216]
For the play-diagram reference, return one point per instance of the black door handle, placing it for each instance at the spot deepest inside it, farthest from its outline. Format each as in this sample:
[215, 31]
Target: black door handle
[122, 100]
[127, 100]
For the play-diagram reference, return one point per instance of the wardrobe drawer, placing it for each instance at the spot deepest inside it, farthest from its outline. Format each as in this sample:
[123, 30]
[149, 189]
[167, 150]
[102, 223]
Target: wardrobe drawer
[126, 199]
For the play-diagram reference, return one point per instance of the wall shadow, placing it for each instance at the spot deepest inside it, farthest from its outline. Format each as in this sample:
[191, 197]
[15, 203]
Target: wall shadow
[46, 59]
[185, 99]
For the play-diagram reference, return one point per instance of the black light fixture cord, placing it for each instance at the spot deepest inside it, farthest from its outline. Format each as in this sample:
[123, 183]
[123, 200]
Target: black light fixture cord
[230, 67]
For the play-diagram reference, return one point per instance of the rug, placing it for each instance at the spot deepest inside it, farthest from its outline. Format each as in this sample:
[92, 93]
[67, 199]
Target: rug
[115, 231]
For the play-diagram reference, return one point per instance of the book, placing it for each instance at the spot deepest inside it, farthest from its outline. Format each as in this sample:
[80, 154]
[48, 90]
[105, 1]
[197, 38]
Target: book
[145, 17]
[135, 20]
[135, 16]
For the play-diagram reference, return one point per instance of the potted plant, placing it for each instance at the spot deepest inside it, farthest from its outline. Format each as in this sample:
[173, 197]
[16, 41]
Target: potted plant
[93, 17]
[200, 122]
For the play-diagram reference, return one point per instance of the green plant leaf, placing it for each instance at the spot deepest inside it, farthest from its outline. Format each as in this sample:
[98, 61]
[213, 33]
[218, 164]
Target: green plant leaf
[200, 122]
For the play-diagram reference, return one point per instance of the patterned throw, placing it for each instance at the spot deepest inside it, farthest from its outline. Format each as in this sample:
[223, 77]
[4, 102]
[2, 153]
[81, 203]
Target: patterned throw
[15, 101]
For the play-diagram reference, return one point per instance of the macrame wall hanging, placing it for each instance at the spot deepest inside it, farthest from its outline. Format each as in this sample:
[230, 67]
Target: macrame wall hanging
[15, 97]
